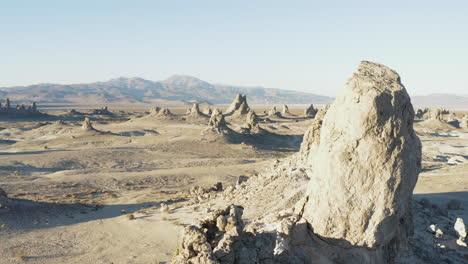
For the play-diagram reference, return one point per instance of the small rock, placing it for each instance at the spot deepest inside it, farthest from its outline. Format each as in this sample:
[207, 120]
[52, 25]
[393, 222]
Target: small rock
[164, 208]
[433, 229]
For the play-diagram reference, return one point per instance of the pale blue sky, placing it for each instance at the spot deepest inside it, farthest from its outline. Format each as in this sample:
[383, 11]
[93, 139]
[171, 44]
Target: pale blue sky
[300, 45]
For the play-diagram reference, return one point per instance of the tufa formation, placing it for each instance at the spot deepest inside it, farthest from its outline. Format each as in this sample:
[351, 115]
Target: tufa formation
[362, 161]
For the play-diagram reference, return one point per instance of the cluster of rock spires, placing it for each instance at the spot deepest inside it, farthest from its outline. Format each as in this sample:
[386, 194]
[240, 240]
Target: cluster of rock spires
[161, 112]
[21, 110]
[103, 111]
[87, 125]
[194, 111]
[274, 112]
[363, 159]
[442, 115]
[217, 122]
[239, 106]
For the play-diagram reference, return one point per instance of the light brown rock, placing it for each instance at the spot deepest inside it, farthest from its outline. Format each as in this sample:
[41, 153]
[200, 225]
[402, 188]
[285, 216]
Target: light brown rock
[366, 164]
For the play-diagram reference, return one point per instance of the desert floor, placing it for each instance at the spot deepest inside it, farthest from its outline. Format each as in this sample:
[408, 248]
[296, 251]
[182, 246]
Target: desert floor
[95, 196]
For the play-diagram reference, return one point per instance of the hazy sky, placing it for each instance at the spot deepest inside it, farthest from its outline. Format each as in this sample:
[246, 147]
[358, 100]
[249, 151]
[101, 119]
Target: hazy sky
[300, 45]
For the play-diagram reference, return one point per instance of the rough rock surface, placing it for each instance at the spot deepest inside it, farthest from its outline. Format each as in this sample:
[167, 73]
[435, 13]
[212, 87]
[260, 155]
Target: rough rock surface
[251, 123]
[236, 103]
[357, 205]
[310, 111]
[365, 167]
[243, 109]
[274, 112]
[212, 239]
[194, 111]
[217, 122]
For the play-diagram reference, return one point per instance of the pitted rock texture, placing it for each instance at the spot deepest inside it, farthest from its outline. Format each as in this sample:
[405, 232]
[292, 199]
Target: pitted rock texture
[366, 164]
[217, 122]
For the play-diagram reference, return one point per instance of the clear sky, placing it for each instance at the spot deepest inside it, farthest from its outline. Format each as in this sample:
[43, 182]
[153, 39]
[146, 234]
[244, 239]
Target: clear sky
[299, 45]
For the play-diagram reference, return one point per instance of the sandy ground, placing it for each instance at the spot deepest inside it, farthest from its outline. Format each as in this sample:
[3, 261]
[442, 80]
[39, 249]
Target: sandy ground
[95, 196]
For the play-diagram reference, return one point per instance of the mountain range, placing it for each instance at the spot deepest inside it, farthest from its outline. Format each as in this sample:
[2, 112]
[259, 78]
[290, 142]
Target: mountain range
[177, 88]
[181, 89]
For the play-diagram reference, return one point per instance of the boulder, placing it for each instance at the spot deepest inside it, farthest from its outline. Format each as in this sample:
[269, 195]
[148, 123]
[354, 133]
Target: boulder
[365, 165]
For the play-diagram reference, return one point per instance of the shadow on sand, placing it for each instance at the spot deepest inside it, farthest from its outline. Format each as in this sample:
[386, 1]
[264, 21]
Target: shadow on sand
[30, 215]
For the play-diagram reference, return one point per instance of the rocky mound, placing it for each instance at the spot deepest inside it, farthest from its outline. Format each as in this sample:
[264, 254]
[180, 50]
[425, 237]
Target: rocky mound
[20, 111]
[310, 111]
[274, 112]
[103, 111]
[236, 104]
[195, 112]
[357, 205]
[160, 112]
[243, 108]
[251, 123]
[217, 123]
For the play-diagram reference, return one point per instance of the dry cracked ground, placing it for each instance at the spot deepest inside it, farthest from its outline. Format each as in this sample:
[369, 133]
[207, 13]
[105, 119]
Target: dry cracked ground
[123, 191]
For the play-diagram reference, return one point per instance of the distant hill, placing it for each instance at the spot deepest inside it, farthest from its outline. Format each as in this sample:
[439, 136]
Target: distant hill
[441, 100]
[179, 88]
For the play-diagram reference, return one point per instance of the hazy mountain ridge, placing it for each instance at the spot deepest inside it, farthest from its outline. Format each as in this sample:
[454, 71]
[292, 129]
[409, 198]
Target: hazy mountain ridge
[441, 100]
[138, 90]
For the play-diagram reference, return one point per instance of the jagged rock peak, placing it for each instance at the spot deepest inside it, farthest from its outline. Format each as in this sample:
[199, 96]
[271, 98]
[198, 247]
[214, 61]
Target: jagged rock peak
[237, 103]
[243, 109]
[194, 111]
